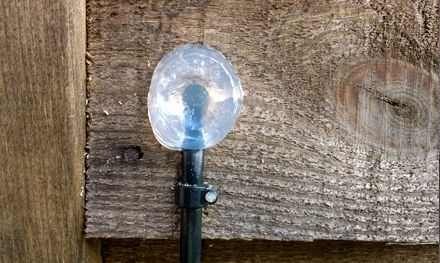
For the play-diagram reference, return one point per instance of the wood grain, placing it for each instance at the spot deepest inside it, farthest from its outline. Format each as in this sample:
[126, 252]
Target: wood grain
[42, 132]
[259, 251]
[337, 137]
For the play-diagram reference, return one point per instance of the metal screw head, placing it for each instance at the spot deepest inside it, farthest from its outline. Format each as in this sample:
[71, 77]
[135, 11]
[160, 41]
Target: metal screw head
[211, 196]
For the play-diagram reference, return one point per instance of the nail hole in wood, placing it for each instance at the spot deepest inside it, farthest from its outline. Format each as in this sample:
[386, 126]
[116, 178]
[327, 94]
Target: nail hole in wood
[133, 154]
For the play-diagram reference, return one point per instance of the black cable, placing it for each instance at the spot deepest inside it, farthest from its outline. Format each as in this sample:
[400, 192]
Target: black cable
[191, 218]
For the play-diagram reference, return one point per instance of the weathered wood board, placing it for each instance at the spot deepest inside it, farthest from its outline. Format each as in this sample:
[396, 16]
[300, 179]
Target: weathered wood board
[337, 137]
[236, 251]
[42, 132]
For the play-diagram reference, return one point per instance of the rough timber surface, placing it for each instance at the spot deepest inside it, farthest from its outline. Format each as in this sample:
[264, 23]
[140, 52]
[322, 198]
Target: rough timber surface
[337, 137]
[257, 251]
[42, 132]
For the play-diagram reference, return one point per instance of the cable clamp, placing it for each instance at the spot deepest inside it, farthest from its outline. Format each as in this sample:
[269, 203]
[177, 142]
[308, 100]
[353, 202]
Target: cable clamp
[195, 196]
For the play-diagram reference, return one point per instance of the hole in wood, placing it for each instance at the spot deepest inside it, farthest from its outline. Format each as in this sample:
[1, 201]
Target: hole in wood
[133, 154]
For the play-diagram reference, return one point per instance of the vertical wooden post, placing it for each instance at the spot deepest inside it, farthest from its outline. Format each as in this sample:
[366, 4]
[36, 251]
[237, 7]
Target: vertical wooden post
[42, 132]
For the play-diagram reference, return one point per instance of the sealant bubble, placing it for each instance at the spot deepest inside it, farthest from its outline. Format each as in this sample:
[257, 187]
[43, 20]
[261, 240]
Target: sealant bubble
[195, 97]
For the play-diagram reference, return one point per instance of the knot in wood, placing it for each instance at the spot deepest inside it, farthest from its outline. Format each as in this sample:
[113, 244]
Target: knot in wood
[389, 101]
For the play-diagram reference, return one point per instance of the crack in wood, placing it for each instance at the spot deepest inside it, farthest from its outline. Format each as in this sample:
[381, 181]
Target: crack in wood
[382, 97]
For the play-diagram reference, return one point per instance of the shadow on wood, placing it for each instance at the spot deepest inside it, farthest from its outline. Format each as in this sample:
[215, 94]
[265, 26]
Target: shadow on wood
[236, 251]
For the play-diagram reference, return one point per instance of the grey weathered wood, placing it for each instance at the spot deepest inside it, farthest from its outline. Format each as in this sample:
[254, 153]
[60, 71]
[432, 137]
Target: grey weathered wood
[236, 251]
[42, 132]
[337, 138]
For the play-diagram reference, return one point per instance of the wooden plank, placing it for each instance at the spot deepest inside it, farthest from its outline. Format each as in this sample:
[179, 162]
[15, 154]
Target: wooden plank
[337, 138]
[42, 134]
[263, 251]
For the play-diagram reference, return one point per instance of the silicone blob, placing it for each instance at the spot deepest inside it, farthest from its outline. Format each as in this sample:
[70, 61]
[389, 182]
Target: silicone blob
[195, 97]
